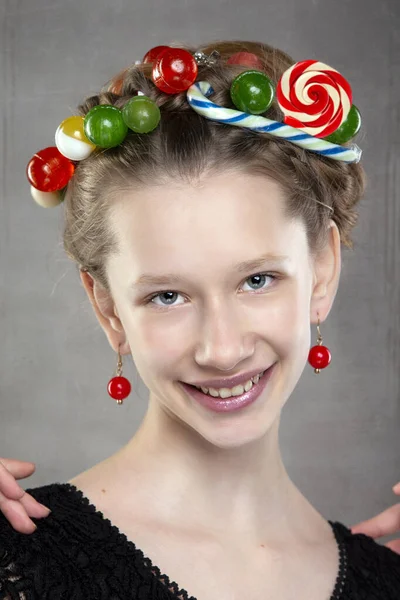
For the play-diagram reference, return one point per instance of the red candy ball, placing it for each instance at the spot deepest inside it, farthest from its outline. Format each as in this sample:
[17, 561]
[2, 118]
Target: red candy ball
[49, 171]
[152, 54]
[245, 59]
[319, 357]
[174, 70]
[119, 388]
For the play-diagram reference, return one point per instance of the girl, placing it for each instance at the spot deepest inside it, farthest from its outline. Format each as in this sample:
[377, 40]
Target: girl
[207, 246]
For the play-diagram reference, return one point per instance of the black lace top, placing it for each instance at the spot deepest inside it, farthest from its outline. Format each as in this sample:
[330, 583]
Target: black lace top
[77, 554]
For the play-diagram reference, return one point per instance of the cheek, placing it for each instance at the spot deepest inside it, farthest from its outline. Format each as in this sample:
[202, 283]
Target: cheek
[158, 339]
[287, 322]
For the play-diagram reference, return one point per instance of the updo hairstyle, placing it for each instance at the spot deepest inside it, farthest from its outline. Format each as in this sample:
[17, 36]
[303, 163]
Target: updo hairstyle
[186, 146]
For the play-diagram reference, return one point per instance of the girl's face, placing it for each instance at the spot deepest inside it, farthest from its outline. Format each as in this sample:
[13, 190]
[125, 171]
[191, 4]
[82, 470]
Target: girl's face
[209, 318]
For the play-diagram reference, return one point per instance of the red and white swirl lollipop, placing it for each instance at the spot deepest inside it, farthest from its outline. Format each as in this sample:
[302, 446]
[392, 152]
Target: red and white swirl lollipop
[314, 97]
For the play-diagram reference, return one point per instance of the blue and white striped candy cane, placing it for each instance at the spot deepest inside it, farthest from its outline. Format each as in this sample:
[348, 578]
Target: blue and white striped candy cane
[197, 98]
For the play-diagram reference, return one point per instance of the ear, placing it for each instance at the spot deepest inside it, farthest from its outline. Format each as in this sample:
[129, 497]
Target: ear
[106, 313]
[327, 267]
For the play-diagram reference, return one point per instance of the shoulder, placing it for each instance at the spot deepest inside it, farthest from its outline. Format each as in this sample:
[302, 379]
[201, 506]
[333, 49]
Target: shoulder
[72, 521]
[29, 560]
[22, 557]
[74, 553]
[373, 570]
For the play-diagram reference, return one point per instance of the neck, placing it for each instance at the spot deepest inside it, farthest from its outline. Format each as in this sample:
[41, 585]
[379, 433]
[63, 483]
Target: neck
[192, 483]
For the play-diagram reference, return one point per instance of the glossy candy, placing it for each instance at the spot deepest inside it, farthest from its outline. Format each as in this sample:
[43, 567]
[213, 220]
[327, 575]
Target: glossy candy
[104, 126]
[152, 54]
[47, 199]
[246, 59]
[252, 92]
[174, 70]
[197, 96]
[49, 171]
[141, 114]
[348, 129]
[314, 98]
[71, 140]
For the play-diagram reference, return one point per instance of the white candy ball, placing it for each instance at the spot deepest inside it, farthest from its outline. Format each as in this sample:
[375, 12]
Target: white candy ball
[46, 199]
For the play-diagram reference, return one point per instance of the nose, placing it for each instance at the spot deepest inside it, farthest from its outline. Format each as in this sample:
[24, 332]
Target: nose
[225, 340]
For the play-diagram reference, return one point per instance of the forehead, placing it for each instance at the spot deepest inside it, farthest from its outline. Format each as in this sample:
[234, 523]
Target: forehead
[229, 217]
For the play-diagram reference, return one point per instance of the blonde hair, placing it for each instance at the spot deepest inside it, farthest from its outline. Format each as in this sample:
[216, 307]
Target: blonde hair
[186, 146]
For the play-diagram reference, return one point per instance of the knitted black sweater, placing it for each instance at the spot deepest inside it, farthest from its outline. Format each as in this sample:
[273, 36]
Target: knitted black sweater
[77, 554]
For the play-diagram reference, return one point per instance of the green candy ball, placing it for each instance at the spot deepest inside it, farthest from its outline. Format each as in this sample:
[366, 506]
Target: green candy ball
[141, 114]
[104, 126]
[252, 92]
[348, 129]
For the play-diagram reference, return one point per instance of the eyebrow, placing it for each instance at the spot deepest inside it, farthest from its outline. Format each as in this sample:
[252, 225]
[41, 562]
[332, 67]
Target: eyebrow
[247, 265]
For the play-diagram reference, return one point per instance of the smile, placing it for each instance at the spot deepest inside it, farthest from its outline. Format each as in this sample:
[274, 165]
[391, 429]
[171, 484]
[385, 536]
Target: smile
[218, 403]
[235, 391]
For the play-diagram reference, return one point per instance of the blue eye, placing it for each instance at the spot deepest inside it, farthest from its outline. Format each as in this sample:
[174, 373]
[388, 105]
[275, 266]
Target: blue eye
[262, 276]
[172, 295]
[161, 294]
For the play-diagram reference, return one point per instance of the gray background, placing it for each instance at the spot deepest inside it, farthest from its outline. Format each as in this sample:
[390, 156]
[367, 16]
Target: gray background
[340, 430]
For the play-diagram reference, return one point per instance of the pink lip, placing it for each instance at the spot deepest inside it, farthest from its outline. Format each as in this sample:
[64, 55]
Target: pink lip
[234, 402]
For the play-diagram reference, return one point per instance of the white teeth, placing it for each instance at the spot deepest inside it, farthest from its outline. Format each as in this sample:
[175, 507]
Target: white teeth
[235, 391]
[248, 385]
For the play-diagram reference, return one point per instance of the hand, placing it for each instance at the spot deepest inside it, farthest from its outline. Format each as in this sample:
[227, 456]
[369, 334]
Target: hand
[15, 504]
[386, 523]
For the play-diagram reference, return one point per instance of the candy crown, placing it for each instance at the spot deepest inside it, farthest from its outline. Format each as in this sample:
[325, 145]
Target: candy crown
[315, 99]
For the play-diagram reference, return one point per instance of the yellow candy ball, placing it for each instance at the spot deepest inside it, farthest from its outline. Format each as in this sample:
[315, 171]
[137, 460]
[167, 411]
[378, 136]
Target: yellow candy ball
[71, 140]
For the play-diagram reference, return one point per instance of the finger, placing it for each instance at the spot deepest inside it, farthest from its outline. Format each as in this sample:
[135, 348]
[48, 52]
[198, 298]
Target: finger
[386, 523]
[396, 488]
[18, 467]
[32, 507]
[10, 490]
[10, 470]
[29, 506]
[14, 469]
[394, 545]
[15, 513]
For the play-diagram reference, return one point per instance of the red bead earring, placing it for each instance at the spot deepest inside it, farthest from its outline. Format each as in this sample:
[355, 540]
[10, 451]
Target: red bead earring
[119, 387]
[319, 356]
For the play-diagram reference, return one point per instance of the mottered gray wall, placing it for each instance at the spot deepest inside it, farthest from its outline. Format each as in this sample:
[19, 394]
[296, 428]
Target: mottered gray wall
[340, 430]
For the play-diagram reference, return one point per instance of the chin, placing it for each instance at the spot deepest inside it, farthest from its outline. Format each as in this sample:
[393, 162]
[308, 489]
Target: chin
[235, 429]
[228, 437]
